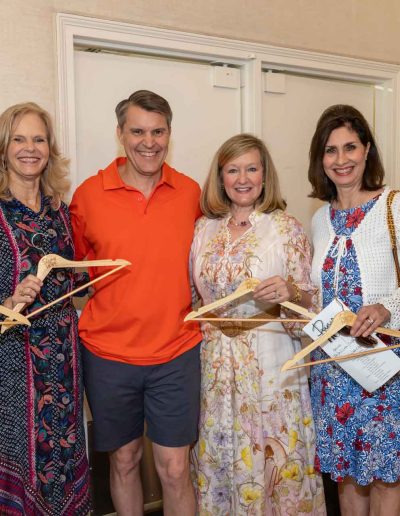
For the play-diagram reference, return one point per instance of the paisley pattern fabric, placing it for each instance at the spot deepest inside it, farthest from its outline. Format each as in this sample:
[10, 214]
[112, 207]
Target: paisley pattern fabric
[358, 433]
[43, 465]
[255, 454]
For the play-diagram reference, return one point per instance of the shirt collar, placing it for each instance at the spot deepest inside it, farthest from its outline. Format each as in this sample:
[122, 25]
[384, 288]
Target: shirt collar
[168, 176]
[112, 180]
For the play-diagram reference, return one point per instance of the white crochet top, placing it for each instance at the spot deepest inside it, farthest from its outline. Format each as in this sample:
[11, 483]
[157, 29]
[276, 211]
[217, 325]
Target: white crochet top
[371, 240]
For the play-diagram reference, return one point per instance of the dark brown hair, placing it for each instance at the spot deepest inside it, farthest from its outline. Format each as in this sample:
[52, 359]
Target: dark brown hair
[146, 100]
[215, 203]
[332, 118]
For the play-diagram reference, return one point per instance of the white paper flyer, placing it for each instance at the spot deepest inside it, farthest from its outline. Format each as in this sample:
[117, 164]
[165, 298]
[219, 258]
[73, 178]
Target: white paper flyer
[370, 371]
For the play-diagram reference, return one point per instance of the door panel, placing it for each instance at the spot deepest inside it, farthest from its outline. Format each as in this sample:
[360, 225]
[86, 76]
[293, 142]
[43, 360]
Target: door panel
[203, 115]
[289, 121]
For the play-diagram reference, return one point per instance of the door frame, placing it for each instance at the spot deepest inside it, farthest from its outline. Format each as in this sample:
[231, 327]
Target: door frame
[251, 58]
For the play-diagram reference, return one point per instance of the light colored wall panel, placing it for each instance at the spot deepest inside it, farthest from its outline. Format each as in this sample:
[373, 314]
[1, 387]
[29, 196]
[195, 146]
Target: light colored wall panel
[366, 28]
[203, 115]
[289, 121]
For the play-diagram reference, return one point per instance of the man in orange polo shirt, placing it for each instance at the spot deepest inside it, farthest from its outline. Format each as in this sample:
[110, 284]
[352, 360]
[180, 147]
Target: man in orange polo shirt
[140, 360]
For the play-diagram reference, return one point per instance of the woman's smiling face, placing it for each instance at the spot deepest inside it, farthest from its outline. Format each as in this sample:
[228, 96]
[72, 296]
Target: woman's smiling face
[344, 158]
[243, 177]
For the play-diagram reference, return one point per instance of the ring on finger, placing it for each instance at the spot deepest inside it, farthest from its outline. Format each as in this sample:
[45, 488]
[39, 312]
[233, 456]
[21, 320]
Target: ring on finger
[370, 320]
[276, 294]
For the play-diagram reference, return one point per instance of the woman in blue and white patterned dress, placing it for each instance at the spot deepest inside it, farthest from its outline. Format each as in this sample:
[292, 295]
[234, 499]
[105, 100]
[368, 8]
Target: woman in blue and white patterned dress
[43, 465]
[358, 433]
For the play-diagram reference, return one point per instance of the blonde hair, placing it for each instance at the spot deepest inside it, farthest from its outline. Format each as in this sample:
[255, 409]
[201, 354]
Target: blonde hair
[214, 201]
[53, 180]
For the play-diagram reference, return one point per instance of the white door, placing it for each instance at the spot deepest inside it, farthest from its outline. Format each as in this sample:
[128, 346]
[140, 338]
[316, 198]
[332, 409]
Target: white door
[204, 115]
[290, 115]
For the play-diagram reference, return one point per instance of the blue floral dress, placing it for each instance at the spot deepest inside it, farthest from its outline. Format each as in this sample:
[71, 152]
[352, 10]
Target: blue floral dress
[358, 433]
[43, 464]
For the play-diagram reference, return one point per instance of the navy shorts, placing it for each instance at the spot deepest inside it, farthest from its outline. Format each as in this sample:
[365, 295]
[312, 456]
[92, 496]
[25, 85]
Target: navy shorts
[121, 396]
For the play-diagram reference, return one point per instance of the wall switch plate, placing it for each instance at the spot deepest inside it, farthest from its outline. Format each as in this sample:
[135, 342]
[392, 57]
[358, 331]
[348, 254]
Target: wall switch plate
[226, 77]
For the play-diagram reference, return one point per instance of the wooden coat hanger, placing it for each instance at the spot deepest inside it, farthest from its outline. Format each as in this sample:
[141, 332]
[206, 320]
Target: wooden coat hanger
[247, 286]
[340, 320]
[250, 319]
[62, 262]
[54, 261]
[14, 316]
[342, 358]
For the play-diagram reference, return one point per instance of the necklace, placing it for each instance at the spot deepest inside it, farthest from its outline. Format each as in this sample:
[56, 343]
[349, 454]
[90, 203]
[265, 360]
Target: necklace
[239, 224]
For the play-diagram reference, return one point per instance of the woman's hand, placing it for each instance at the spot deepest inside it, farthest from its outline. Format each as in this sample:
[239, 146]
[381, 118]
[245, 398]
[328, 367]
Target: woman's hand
[274, 290]
[25, 292]
[368, 319]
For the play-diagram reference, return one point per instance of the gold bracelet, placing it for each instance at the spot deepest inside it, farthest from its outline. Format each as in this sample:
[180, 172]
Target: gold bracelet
[297, 296]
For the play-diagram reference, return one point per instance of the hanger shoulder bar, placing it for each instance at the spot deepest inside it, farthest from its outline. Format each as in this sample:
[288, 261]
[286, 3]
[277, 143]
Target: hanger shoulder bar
[244, 288]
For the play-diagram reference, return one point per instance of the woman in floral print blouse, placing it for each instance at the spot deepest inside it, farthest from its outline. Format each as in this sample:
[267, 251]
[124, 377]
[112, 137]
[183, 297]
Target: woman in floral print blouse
[255, 452]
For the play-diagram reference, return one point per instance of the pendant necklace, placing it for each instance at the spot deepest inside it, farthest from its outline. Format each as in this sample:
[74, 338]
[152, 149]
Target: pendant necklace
[239, 224]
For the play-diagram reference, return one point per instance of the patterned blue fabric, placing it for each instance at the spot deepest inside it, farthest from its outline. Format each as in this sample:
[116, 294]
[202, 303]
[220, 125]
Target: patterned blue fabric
[43, 465]
[358, 433]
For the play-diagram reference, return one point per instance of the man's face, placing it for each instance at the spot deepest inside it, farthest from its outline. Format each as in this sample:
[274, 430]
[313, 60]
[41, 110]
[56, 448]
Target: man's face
[145, 137]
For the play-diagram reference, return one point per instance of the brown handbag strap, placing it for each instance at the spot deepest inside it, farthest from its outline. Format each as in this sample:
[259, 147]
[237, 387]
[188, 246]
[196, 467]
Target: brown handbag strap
[392, 232]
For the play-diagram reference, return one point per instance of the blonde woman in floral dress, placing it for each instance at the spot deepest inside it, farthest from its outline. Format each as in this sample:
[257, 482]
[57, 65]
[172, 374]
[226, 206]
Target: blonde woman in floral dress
[255, 452]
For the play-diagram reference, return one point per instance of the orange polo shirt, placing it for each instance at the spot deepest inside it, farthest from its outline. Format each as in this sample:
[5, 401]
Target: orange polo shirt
[136, 315]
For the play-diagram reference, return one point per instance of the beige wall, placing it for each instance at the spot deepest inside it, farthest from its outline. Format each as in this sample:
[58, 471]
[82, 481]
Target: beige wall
[359, 28]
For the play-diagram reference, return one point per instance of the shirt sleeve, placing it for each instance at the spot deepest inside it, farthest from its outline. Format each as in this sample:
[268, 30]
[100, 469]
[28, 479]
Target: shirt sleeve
[76, 208]
[297, 250]
[193, 256]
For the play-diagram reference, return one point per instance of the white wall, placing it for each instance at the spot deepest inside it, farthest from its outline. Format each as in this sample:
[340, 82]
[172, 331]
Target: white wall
[359, 28]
